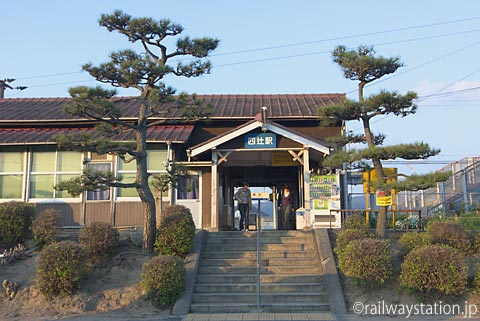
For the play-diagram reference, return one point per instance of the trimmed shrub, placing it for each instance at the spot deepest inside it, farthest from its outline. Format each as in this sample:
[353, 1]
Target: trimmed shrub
[435, 269]
[356, 222]
[100, 240]
[45, 227]
[346, 236]
[413, 240]
[450, 233]
[476, 242]
[173, 210]
[15, 222]
[176, 235]
[471, 221]
[476, 280]
[60, 268]
[163, 278]
[367, 261]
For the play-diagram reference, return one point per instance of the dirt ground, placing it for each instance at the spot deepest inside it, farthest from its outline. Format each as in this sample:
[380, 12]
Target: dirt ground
[111, 289]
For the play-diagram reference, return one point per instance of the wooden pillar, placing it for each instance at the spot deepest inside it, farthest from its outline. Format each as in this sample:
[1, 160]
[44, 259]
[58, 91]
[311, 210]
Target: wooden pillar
[306, 187]
[214, 196]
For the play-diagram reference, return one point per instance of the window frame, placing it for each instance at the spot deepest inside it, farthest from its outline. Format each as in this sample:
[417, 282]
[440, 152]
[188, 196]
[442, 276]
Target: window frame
[120, 172]
[30, 174]
[109, 189]
[24, 176]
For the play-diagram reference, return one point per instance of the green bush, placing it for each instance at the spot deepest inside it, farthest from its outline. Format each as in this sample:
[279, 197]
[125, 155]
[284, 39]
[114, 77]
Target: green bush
[476, 242]
[355, 222]
[60, 268]
[471, 221]
[173, 210]
[163, 278]
[15, 222]
[450, 233]
[100, 239]
[175, 235]
[413, 240]
[435, 269]
[345, 236]
[45, 227]
[476, 280]
[367, 260]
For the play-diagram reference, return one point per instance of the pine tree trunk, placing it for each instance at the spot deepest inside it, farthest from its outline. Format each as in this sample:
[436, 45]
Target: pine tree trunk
[381, 227]
[146, 195]
[149, 226]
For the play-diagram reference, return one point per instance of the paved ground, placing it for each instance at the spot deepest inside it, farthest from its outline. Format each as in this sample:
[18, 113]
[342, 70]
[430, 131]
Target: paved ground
[268, 317]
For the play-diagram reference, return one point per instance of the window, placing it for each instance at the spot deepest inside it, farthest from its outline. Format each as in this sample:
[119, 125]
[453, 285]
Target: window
[11, 172]
[156, 159]
[99, 194]
[48, 168]
[187, 188]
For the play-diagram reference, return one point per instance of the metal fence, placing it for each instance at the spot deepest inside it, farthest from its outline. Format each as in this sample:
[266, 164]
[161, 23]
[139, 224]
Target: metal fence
[396, 220]
[460, 192]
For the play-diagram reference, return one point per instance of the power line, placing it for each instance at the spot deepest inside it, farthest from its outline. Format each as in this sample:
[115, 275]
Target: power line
[438, 92]
[329, 51]
[414, 68]
[346, 37]
[289, 56]
[312, 42]
[53, 75]
[315, 53]
[421, 65]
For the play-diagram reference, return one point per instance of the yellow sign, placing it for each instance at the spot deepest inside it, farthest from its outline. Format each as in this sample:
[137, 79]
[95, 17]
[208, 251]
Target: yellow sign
[384, 198]
[283, 159]
[371, 177]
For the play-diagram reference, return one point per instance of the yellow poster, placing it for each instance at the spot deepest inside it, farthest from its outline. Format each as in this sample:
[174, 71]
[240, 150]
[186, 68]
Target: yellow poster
[384, 198]
[283, 159]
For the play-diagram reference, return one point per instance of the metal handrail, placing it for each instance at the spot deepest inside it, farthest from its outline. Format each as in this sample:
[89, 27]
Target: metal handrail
[259, 257]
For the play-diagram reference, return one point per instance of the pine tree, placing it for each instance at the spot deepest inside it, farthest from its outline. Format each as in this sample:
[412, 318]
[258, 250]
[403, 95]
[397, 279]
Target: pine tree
[145, 72]
[363, 66]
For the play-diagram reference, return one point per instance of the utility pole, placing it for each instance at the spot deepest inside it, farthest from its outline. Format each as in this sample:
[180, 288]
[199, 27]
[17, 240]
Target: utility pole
[4, 84]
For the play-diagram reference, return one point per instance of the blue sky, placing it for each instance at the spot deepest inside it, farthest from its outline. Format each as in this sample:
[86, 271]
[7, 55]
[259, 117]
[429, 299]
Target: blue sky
[44, 44]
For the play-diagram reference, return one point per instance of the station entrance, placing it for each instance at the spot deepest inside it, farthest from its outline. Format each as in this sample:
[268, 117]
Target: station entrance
[266, 184]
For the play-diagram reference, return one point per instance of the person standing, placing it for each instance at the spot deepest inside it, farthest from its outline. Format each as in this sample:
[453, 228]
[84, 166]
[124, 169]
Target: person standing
[285, 208]
[244, 199]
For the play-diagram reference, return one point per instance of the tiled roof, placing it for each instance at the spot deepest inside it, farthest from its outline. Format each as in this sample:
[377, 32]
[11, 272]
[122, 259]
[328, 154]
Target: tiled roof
[156, 134]
[238, 106]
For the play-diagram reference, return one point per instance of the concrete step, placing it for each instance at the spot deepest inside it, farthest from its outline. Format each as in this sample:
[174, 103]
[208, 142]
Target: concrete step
[239, 247]
[291, 277]
[263, 240]
[265, 298]
[264, 262]
[247, 307]
[283, 307]
[311, 269]
[264, 233]
[253, 254]
[221, 308]
[265, 278]
[252, 287]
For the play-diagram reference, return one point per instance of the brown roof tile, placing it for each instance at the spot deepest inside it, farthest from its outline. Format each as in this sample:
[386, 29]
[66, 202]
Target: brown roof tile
[238, 106]
[156, 134]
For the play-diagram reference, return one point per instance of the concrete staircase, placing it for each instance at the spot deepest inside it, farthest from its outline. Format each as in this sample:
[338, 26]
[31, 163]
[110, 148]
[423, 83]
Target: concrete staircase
[291, 274]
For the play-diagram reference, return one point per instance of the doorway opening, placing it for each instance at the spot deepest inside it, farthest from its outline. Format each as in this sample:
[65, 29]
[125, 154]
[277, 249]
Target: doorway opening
[266, 203]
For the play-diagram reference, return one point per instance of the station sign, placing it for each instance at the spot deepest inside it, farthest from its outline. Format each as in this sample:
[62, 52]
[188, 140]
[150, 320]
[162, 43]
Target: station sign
[260, 140]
